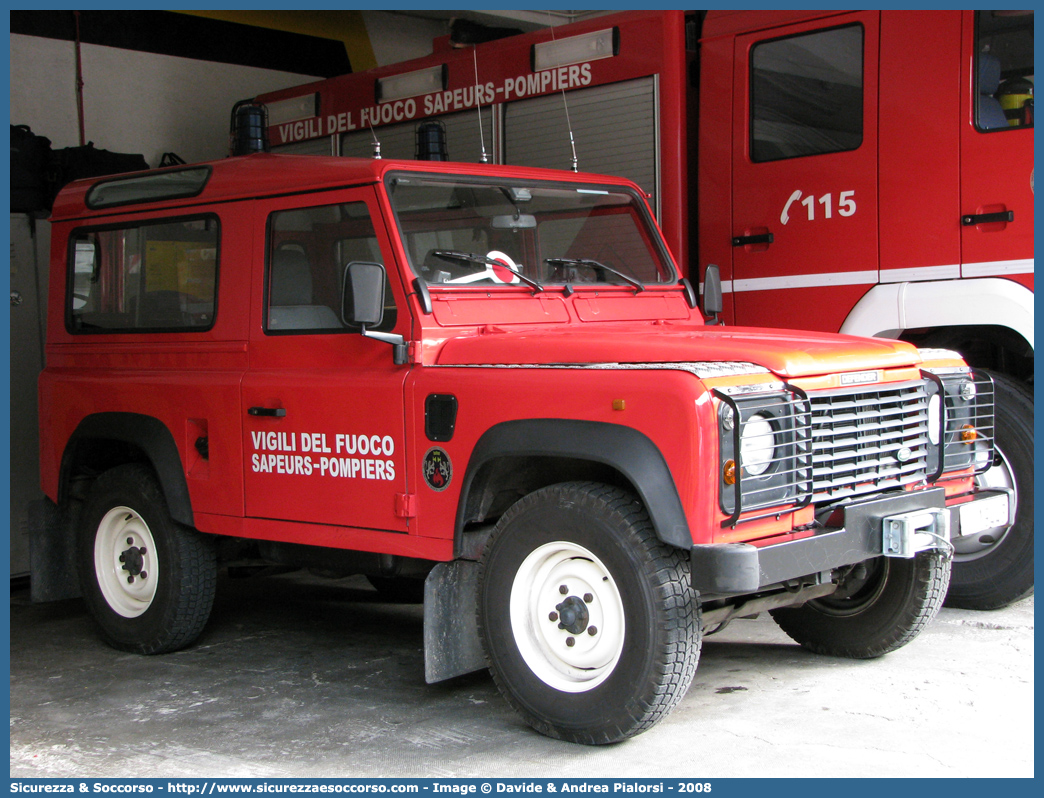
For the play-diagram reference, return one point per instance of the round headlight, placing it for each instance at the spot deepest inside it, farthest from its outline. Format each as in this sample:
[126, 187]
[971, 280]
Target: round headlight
[935, 419]
[757, 445]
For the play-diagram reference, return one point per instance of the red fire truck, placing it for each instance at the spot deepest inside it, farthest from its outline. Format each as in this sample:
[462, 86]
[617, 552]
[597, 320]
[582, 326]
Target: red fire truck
[869, 172]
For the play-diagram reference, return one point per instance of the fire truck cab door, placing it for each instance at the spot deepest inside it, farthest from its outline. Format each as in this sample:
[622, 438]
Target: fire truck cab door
[323, 422]
[996, 152]
[804, 227]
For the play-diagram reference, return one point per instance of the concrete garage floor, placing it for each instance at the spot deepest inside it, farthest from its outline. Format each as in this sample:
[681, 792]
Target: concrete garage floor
[298, 677]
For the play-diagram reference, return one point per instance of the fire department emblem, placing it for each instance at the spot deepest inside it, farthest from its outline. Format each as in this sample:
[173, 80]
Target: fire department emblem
[438, 470]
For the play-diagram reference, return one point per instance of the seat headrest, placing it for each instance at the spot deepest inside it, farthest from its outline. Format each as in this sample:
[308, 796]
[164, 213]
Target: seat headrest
[989, 73]
[291, 278]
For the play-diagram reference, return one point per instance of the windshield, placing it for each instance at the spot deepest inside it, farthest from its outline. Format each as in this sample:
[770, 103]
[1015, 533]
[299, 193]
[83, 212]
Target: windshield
[474, 232]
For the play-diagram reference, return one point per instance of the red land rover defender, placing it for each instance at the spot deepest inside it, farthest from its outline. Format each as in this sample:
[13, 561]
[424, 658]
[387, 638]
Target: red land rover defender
[490, 379]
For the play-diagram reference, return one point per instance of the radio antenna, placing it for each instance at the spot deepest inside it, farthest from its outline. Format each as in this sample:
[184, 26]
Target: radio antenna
[478, 105]
[376, 143]
[565, 102]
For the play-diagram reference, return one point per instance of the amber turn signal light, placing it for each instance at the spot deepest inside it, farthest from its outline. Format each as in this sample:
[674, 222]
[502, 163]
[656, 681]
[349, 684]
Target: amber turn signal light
[728, 472]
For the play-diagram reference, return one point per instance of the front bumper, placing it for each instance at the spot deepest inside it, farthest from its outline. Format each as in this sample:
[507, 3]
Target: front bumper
[740, 568]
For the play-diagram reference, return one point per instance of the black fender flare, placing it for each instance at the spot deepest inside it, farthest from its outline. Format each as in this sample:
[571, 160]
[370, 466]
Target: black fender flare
[146, 433]
[625, 449]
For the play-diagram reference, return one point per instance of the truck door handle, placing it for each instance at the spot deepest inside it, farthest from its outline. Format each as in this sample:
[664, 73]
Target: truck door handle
[742, 241]
[278, 412]
[986, 218]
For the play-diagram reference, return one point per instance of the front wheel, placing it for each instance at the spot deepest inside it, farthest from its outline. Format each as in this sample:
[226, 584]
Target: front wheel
[589, 624]
[148, 582]
[880, 605]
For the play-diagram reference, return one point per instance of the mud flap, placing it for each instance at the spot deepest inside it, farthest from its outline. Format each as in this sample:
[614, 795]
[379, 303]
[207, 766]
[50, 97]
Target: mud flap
[52, 565]
[451, 641]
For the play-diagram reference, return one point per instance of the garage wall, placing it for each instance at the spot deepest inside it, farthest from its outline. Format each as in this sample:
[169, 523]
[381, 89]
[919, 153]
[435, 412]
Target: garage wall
[133, 101]
[148, 103]
[395, 38]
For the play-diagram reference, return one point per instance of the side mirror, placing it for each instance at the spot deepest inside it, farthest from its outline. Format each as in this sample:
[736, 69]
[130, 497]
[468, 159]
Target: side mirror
[712, 304]
[362, 305]
[362, 298]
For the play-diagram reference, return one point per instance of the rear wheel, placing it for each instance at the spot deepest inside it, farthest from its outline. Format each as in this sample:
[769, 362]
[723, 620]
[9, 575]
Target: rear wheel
[994, 568]
[148, 581]
[589, 624]
[880, 605]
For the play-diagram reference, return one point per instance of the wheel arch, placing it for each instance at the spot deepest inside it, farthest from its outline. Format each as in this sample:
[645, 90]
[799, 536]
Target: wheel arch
[104, 440]
[515, 458]
[988, 320]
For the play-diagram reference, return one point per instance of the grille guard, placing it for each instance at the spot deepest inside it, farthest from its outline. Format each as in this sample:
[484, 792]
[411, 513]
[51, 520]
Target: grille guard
[830, 447]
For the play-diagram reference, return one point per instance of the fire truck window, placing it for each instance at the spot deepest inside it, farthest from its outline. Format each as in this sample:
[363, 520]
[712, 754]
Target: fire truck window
[151, 277]
[1003, 70]
[309, 250]
[806, 94]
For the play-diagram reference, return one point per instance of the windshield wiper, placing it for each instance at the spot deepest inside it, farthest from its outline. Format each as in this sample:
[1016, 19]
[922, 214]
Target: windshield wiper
[472, 257]
[593, 264]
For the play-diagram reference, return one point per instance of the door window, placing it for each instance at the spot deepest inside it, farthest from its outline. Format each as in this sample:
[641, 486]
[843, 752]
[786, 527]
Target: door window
[807, 94]
[1003, 70]
[309, 250]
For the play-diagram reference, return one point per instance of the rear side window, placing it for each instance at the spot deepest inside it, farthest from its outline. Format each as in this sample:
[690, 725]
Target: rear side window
[156, 276]
[806, 94]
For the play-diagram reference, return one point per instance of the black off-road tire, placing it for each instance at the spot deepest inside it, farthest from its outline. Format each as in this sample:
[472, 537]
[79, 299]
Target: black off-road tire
[993, 576]
[875, 611]
[631, 613]
[158, 597]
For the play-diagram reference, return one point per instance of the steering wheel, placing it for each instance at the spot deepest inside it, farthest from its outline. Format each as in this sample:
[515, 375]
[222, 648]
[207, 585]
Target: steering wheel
[493, 271]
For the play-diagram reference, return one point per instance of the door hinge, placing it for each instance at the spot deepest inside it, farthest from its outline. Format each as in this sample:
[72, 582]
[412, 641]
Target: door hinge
[414, 350]
[406, 505]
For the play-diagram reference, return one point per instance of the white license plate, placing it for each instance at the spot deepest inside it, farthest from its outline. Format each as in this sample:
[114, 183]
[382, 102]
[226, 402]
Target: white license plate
[984, 514]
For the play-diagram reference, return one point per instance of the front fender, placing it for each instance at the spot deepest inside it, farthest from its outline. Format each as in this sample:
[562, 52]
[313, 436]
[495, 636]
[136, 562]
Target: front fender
[628, 451]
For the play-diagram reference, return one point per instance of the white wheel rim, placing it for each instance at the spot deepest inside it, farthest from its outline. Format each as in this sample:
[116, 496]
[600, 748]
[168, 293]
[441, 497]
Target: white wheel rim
[538, 607]
[125, 562]
[998, 475]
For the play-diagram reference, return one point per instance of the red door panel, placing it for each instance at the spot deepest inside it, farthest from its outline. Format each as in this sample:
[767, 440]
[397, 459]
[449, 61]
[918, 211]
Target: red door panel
[323, 423]
[804, 237]
[996, 158]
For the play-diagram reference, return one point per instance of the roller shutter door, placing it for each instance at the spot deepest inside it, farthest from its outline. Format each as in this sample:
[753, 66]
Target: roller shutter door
[615, 128]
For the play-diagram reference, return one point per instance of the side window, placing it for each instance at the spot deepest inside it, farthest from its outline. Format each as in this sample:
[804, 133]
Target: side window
[149, 277]
[1003, 70]
[806, 94]
[309, 250]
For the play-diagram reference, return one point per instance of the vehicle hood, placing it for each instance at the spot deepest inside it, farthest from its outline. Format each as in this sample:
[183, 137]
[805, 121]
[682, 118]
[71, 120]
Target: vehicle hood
[786, 353]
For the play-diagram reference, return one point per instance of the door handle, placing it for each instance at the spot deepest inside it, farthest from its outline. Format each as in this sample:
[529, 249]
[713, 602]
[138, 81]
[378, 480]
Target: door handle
[278, 412]
[987, 218]
[742, 241]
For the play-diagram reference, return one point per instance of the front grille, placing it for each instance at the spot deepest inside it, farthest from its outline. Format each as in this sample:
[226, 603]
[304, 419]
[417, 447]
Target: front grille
[868, 440]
